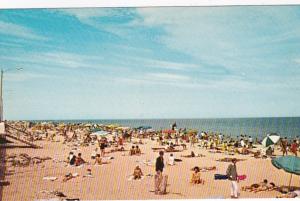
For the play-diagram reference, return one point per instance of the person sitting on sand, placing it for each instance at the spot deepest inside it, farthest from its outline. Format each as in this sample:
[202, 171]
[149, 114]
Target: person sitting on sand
[244, 150]
[79, 160]
[138, 150]
[171, 160]
[71, 158]
[196, 176]
[137, 173]
[192, 155]
[132, 151]
[98, 160]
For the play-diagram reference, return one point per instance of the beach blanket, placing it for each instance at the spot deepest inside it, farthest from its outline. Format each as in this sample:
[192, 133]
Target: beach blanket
[228, 160]
[50, 178]
[242, 177]
[221, 177]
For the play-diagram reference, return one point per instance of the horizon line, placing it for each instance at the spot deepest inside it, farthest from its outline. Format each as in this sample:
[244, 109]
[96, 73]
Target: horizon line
[191, 118]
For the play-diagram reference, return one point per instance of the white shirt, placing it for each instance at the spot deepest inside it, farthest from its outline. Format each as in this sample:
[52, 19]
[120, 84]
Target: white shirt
[242, 143]
[171, 160]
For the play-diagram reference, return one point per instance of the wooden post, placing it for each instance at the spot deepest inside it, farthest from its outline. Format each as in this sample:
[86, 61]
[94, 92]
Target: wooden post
[290, 181]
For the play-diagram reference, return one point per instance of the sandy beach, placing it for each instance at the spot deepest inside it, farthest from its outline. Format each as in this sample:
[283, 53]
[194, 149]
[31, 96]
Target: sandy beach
[111, 181]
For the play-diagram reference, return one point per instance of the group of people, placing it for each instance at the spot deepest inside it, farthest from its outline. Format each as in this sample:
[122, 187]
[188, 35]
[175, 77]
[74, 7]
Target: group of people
[75, 160]
[293, 147]
[135, 150]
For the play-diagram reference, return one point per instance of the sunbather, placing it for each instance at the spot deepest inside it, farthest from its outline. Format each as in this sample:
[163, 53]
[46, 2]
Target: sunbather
[79, 160]
[196, 176]
[71, 158]
[292, 194]
[190, 155]
[137, 173]
[137, 150]
[269, 187]
[132, 151]
[68, 177]
[255, 186]
[171, 160]
[98, 160]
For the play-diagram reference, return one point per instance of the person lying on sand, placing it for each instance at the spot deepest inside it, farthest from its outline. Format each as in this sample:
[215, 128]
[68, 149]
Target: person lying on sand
[137, 173]
[98, 160]
[269, 187]
[254, 186]
[79, 160]
[293, 194]
[228, 159]
[206, 168]
[69, 176]
[192, 155]
[196, 177]
[262, 186]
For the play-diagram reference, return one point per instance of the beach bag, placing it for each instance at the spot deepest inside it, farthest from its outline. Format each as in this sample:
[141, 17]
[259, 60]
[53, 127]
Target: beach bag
[220, 177]
[163, 188]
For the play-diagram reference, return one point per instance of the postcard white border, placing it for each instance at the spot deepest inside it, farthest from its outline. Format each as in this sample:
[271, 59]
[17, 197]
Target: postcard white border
[11, 4]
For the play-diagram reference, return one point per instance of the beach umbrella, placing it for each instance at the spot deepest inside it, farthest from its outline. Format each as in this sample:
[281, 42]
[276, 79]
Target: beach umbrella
[290, 164]
[271, 139]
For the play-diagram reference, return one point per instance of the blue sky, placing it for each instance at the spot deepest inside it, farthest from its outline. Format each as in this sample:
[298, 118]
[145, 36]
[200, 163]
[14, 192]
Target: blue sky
[197, 62]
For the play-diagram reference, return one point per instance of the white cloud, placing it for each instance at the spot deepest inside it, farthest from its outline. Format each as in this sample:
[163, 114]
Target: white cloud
[11, 29]
[167, 77]
[55, 59]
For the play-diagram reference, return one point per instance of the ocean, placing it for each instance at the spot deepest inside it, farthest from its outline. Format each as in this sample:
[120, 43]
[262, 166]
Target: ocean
[256, 127]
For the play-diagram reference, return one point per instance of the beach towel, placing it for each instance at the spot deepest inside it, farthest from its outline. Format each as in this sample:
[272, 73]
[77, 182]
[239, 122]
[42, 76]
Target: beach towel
[242, 177]
[50, 178]
[220, 177]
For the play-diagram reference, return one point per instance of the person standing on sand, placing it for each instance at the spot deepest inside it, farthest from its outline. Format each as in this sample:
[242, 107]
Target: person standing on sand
[159, 166]
[284, 144]
[233, 177]
[294, 147]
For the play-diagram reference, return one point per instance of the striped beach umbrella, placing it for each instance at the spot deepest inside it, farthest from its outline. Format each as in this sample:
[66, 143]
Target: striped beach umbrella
[271, 139]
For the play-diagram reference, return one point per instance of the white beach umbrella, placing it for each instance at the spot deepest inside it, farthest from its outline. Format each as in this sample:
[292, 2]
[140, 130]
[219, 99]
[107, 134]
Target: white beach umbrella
[271, 139]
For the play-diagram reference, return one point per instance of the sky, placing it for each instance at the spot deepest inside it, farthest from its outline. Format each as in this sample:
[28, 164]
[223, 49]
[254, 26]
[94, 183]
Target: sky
[119, 63]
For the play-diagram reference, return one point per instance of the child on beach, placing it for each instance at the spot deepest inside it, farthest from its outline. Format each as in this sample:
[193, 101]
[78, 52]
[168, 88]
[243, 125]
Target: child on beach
[196, 176]
[137, 173]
